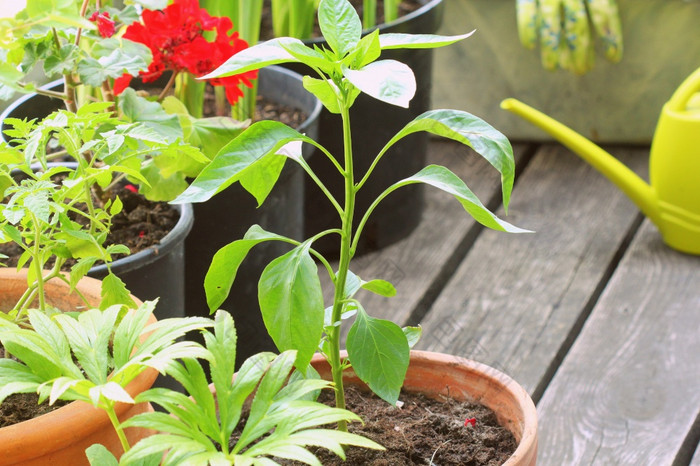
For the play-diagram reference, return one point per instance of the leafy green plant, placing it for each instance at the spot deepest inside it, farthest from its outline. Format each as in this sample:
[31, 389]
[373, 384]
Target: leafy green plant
[55, 221]
[281, 420]
[60, 38]
[290, 294]
[564, 30]
[93, 356]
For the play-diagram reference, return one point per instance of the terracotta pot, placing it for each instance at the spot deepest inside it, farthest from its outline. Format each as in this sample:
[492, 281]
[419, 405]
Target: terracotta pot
[61, 436]
[437, 375]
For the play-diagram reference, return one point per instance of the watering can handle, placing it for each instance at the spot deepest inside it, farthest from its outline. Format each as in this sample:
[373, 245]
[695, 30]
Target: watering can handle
[681, 97]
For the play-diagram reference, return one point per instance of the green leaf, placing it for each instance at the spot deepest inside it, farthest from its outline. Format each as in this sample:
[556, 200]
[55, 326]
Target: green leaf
[340, 25]
[271, 52]
[151, 114]
[62, 61]
[473, 132]
[98, 455]
[245, 153]
[413, 335]
[442, 178]
[291, 302]
[224, 266]
[367, 51]
[95, 72]
[324, 90]
[418, 41]
[387, 80]
[380, 287]
[114, 292]
[379, 353]
[308, 56]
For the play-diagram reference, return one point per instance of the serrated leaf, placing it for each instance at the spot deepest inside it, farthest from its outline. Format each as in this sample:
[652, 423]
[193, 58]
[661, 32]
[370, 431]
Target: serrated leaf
[98, 455]
[151, 114]
[291, 302]
[387, 80]
[379, 353]
[114, 292]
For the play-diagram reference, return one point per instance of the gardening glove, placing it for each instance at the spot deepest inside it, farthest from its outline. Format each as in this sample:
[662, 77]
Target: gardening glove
[605, 17]
[564, 31]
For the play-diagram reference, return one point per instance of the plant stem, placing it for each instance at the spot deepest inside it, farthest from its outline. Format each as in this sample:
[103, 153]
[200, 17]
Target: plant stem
[345, 256]
[117, 427]
[38, 270]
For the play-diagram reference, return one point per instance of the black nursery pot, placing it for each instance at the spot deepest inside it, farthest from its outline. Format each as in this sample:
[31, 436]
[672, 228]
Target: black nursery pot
[374, 123]
[228, 215]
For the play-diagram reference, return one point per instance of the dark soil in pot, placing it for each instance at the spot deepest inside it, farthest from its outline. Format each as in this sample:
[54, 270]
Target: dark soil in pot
[422, 432]
[140, 225]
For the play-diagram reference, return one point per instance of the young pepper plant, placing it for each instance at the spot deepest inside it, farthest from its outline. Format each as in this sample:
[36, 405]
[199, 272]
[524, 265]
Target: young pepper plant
[289, 290]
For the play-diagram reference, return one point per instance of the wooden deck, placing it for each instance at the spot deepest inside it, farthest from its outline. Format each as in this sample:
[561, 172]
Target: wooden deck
[592, 313]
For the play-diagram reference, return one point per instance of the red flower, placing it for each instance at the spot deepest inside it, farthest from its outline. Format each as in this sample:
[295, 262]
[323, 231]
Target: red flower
[470, 422]
[105, 26]
[175, 37]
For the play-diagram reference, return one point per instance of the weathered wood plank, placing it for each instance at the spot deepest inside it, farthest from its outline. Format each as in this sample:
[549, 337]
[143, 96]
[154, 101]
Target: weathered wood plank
[413, 264]
[627, 392]
[516, 298]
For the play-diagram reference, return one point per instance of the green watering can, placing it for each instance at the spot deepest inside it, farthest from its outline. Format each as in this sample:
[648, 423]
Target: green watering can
[672, 200]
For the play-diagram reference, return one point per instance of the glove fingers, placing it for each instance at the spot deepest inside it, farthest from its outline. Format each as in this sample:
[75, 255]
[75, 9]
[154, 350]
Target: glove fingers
[527, 14]
[550, 33]
[577, 36]
[606, 22]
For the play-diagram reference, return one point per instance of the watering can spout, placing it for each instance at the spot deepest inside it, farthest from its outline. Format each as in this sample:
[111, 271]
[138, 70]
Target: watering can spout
[640, 192]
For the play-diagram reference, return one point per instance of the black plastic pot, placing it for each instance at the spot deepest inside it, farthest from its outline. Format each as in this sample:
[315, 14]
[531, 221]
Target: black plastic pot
[228, 215]
[159, 271]
[156, 272]
[374, 123]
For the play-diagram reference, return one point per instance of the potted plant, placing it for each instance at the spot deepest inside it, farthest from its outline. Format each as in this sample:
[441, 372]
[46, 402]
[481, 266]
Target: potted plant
[633, 86]
[104, 150]
[291, 299]
[100, 360]
[274, 414]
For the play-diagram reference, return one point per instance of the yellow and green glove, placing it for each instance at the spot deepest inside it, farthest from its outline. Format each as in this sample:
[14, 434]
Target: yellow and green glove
[563, 28]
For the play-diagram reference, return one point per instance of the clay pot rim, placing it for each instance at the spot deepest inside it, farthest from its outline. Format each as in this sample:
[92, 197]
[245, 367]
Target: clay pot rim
[526, 451]
[77, 417]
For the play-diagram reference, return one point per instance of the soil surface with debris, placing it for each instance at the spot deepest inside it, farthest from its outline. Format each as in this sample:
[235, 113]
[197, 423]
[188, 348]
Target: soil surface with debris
[422, 432]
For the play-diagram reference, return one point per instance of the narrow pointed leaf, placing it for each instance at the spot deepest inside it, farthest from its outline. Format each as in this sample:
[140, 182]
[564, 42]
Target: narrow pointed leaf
[259, 141]
[379, 353]
[224, 266]
[390, 81]
[442, 178]
[271, 52]
[291, 301]
[473, 132]
[418, 41]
